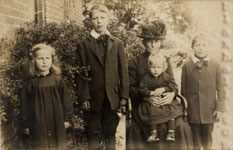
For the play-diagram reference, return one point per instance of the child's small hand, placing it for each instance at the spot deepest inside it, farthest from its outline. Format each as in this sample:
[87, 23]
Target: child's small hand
[86, 105]
[26, 131]
[218, 115]
[159, 91]
[67, 125]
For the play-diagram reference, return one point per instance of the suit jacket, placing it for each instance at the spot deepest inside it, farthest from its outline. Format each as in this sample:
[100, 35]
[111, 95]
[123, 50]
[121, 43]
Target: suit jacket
[199, 86]
[109, 78]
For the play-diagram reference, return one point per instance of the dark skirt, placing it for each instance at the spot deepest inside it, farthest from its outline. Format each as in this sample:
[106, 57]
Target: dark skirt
[150, 114]
[138, 132]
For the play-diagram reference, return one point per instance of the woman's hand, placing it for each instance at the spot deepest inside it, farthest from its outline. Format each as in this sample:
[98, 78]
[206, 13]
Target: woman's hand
[167, 99]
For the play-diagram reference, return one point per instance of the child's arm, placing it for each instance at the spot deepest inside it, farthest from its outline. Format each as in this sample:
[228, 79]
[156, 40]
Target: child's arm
[66, 101]
[143, 88]
[220, 103]
[25, 108]
[171, 86]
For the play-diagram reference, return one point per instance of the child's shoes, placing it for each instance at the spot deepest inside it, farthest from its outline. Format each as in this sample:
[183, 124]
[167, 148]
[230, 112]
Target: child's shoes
[170, 136]
[153, 137]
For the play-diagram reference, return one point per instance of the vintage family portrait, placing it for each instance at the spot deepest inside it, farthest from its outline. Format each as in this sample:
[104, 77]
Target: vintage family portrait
[116, 74]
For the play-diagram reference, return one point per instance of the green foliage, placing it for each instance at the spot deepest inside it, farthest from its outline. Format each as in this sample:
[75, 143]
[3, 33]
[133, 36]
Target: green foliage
[13, 72]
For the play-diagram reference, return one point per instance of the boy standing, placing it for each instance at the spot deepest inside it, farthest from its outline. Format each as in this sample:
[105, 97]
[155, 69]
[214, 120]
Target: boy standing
[108, 87]
[201, 85]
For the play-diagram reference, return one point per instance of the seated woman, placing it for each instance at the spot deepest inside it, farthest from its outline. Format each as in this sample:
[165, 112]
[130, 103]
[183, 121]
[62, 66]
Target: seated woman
[152, 36]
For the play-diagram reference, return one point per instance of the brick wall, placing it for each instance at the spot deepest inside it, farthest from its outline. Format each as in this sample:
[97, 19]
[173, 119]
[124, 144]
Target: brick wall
[63, 10]
[14, 13]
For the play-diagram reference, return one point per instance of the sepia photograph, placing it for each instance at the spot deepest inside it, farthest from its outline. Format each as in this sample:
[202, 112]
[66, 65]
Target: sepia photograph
[116, 74]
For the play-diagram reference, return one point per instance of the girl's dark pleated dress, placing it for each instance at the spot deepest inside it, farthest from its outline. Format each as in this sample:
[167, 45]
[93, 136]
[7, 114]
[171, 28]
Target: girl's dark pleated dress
[46, 104]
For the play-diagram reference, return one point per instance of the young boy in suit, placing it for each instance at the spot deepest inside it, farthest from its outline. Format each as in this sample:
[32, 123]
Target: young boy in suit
[201, 85]
[108, 87]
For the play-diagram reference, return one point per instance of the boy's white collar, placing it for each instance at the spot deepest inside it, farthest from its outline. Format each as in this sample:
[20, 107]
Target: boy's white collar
[195, 59]
[95, 35]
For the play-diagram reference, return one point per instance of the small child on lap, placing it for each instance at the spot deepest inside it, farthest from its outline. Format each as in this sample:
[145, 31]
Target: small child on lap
[152, 87]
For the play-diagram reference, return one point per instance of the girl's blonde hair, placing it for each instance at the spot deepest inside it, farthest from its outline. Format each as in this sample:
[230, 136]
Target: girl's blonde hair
[155, 58]
[55, 68]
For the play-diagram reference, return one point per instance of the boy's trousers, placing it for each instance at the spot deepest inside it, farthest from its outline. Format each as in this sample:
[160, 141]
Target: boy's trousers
[202, 136]
[101, 125]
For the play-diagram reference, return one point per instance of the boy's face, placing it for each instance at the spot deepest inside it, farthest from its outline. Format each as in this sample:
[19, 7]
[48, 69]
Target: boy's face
[156, 68]
[200, 48]
[99, 20]
[152, 45]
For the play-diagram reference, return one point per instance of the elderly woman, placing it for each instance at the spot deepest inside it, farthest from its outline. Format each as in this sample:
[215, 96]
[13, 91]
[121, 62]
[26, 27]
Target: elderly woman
[153, 36]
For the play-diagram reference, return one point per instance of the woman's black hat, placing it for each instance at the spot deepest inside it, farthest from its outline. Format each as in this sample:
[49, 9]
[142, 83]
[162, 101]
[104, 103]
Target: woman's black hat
[155, 30]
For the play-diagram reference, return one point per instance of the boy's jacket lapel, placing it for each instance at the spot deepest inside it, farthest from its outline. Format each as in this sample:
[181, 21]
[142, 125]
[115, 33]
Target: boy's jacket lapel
[94, 47]
[109, 46]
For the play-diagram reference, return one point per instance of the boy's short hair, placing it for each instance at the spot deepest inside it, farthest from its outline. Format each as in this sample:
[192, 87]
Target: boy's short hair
[198, 38]
[154, 58]
[99, 7]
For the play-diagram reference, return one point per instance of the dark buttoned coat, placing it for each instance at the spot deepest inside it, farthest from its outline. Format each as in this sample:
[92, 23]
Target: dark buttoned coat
[203, 90]
[109, 77]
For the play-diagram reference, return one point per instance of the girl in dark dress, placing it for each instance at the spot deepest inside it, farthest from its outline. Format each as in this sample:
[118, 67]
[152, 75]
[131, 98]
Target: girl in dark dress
[46, 103]
[152, 87]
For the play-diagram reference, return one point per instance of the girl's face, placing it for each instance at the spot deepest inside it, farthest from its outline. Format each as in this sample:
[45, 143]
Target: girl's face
[43, 61]
[200, 48]
[152, 45]
[100, 21]
[156, 68]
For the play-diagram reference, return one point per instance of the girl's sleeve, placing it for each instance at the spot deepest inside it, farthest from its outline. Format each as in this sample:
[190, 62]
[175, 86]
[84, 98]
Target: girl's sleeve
[172, 83]
[25, 105]
[143, 87]
[66, 101]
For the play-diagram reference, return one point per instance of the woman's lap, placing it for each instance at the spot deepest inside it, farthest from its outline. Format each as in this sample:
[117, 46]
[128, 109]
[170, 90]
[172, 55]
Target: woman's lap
[138, 132]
